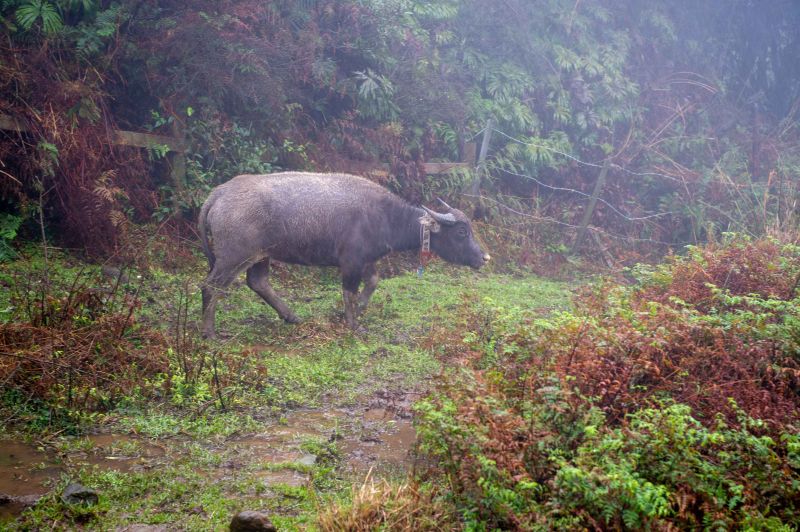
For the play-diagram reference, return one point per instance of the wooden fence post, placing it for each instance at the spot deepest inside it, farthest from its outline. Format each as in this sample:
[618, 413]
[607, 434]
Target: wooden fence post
[177, 171]
[587, 216]
[176, 150]
[480, 170]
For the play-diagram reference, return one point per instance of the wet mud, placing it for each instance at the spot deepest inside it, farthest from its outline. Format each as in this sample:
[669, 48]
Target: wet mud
[376, 438]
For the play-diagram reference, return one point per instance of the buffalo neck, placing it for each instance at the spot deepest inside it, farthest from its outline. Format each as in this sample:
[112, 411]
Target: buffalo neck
[404, 233]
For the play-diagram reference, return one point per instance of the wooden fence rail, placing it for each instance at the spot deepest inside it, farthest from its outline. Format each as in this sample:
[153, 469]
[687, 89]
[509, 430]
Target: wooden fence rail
[176, 156]
[176, 149]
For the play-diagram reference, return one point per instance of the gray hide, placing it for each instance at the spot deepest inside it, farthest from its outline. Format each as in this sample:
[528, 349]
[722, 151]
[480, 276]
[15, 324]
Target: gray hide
[315, 219]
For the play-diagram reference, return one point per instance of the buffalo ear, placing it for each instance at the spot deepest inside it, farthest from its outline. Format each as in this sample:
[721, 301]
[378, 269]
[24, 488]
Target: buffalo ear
[444, 219]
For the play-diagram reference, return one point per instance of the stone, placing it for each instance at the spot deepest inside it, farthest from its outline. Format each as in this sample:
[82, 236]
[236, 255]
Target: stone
[79, 494]
[307, 459]
[143, 528]
[252, 521]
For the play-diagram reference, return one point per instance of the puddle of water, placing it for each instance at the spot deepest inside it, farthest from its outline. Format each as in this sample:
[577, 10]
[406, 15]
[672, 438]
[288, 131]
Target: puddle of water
[25, 470]
[377, 414]
[281, 443]
[377, 438]
[119, 452]
[11, 508]
[300, 425]
[385, 444]
[25, 475]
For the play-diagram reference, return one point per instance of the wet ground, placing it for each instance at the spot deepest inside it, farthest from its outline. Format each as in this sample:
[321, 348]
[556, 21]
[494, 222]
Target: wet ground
[376, 438]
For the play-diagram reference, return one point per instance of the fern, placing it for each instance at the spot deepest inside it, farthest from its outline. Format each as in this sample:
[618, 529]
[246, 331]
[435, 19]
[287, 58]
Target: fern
[34, 10]
[375, 96]
[87, 6]
[9, 225]
[436, 11]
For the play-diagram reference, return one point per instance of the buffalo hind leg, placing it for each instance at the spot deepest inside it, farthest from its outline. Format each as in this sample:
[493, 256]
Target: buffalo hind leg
[258, 281]
[370, 276]
[218, 280]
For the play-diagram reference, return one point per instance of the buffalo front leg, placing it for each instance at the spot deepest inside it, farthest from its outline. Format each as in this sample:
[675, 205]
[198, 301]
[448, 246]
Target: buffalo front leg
[371, 278]
[258, 281]
[350, 308]
[351, 278]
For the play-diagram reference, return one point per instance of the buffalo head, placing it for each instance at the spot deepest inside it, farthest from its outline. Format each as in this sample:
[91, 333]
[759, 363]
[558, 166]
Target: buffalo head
[455, 241]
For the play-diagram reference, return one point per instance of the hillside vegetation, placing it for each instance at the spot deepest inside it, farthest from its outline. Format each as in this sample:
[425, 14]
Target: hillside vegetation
[629, 360]
[681, 116]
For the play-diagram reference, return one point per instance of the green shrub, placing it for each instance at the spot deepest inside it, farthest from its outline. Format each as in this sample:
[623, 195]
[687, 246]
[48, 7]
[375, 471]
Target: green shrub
[672, 403]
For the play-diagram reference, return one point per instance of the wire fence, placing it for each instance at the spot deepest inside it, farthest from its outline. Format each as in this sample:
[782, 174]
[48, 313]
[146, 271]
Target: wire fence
[584, 163]
[592, 228]
[628, 217]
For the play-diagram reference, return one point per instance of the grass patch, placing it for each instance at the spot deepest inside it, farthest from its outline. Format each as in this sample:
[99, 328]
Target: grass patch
[206, 395]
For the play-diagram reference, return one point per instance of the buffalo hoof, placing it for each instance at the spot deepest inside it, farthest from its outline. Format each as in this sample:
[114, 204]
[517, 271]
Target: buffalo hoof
[291, 318]
[224, 335]
[358, 329]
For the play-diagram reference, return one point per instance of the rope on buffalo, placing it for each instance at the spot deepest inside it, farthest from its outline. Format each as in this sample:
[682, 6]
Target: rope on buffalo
[426, 225]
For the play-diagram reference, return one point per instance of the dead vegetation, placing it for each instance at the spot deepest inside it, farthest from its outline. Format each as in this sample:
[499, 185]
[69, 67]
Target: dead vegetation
[75, 344]
[378, 505]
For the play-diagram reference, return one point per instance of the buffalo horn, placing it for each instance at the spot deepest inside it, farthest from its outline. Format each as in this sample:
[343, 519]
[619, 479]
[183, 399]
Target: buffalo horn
[448, 207]
[444, 219]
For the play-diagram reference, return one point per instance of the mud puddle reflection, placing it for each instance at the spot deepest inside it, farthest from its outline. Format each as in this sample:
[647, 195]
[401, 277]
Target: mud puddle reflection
[384, 443]
[376, 437]
[25, 475]
[28, 471]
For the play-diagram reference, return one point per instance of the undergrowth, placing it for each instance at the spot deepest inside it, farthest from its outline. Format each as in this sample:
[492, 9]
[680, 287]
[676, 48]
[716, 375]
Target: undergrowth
[669, 404]
[81, 340]
[71, 343]
[159, 385]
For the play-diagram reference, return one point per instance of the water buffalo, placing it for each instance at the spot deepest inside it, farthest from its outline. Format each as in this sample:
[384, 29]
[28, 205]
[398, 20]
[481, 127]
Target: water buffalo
[321, 220]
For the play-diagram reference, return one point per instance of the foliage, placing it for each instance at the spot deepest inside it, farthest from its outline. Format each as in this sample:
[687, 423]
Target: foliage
[9, 225]
[671, 403]
[72, 345]
[54, 84]
[219, 151]
[697, 127]
[42, 11]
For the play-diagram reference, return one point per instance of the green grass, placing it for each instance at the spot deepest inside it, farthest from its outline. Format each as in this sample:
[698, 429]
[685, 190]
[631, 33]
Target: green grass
[322, 362]
[272, 369]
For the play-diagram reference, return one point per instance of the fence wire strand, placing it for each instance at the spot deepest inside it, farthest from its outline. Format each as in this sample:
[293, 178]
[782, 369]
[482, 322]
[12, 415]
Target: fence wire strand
[573, 226]
[626, 216]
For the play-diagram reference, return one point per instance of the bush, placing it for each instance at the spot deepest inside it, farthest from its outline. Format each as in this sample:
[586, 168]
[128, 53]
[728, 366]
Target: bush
[72, 345]
[672, 403]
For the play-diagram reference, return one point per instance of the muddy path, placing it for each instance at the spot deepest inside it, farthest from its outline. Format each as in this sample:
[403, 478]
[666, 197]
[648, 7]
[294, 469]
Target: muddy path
[374, 438]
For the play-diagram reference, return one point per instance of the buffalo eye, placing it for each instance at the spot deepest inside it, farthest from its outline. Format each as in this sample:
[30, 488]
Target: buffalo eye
[462, 232]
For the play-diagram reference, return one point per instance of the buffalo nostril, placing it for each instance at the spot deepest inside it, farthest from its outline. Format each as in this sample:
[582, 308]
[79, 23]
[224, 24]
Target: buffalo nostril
[486, 257]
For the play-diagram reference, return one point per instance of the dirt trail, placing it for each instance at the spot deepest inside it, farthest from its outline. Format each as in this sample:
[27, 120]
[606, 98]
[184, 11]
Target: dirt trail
[376, 436]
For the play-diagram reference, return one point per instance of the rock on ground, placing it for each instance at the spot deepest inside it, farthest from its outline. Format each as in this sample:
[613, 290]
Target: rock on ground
[251, 521]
